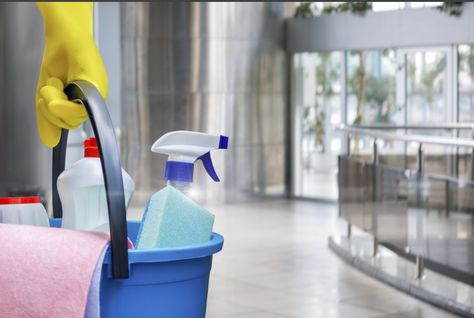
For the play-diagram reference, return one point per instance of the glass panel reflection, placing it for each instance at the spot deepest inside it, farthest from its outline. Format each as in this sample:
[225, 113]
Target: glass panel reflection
[426, 87]
[419, 214]
[466, 83]
[371, 87]
[321, 112]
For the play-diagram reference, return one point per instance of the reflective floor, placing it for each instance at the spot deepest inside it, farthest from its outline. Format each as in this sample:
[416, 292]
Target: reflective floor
[388, 266]
[276, 263]
[320, 185]
[446, 239]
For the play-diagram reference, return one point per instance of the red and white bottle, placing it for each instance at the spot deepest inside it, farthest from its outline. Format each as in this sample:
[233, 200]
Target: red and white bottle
[82, 192]
[23, 210]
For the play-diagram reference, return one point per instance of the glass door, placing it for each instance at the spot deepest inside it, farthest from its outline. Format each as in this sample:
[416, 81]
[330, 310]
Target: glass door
[389, 86]
[428, 85]
[318, 110]
[427, 94]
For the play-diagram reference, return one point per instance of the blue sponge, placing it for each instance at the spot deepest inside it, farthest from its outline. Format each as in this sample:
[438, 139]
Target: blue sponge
[171, 219]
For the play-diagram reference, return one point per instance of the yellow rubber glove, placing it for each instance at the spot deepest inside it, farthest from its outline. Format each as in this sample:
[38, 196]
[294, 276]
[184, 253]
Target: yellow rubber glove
[70, 54]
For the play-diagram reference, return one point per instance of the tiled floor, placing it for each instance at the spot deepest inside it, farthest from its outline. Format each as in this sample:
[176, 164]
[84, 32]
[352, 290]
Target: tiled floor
[275, 263]
[321, 184]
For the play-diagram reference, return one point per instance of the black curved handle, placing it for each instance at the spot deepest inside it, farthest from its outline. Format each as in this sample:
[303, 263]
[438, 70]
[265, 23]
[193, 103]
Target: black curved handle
[111, 169]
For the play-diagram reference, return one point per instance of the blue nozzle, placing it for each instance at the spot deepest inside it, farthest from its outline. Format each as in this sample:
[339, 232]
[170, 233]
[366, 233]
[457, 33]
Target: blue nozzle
[177, 146]
[207, 163]
[179, 171]
[223, 142]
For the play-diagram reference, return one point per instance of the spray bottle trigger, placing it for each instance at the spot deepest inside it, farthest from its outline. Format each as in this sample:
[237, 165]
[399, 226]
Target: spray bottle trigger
[207, 163]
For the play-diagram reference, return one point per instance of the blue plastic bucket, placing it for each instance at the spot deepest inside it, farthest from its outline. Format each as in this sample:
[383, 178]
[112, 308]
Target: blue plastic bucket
[169, 283]
[166, 282]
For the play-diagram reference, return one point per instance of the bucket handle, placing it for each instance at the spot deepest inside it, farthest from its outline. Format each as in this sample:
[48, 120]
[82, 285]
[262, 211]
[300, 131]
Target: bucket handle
[102, 126]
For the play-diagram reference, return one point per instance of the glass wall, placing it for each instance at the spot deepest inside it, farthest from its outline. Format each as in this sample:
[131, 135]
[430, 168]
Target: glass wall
[321, 111]
[391, 86]
[426, 98]
[371, 87]
[466, 83]
[370, 90]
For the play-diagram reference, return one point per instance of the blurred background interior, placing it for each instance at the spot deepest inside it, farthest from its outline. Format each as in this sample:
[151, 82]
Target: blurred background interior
[362, 111]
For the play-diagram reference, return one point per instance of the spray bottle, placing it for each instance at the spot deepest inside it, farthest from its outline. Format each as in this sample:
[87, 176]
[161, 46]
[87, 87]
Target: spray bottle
[171, 218]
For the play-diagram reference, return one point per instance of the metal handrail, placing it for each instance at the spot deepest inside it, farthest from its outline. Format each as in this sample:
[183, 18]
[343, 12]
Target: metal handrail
[422, 139]
[446, 126]
[375, 133]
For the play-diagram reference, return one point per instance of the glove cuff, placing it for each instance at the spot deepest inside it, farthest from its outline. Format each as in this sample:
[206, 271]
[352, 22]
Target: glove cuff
[66, 21]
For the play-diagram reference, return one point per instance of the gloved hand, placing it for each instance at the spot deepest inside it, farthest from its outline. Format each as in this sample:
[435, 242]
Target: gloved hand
[70, 54]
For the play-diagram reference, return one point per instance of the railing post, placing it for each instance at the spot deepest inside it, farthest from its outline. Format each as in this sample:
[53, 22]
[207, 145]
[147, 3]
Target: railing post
[420, 268]
[348, 145]
[420, 265]
[419, 161]
[374, 197]
[472, 159]
[375, 152]
[448, 197]
[419, 177]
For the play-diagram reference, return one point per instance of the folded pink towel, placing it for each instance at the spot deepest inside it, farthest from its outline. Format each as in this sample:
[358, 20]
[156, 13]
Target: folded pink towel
[46, 272]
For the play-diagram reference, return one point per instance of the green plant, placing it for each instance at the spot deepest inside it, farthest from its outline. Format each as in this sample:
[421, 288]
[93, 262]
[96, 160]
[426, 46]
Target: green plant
[327, 73]
[356, 82]
[373, 90]
[428, 79]
[320, 129]
[304, 10]
[380, 95]
[468, 59]
[453, 8]
[355, 7]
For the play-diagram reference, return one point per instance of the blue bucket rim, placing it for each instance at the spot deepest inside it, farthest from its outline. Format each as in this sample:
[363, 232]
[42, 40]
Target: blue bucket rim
[156, 255]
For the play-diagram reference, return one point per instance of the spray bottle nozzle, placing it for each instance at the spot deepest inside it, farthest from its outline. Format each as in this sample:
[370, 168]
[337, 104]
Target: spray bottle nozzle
[184, 148]
[223, 142]
[207, 163]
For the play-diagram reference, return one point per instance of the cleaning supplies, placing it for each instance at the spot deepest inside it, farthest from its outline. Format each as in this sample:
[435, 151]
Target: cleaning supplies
[82, 192]
[171, 218]
[23, 210]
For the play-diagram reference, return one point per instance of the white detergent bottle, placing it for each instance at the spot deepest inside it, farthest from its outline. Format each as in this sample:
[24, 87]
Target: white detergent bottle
[23, 210]
[82, 192]
[171, 218]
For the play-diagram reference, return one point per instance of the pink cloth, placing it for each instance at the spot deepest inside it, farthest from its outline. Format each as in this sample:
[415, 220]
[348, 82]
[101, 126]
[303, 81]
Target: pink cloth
[46, 272]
